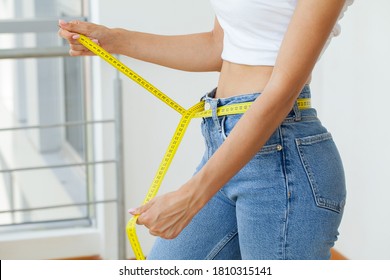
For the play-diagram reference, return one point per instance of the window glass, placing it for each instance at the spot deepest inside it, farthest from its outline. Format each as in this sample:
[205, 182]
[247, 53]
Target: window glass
[42, 118]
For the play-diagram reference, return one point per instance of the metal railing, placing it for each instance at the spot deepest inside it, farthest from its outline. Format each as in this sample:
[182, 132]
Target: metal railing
[50, 25]
[32, 26]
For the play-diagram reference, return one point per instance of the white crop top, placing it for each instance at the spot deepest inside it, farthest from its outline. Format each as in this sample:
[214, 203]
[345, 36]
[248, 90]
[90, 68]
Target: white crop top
[254, 29]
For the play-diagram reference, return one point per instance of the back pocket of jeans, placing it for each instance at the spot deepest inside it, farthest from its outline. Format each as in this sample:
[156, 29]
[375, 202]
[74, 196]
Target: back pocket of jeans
[324, 170]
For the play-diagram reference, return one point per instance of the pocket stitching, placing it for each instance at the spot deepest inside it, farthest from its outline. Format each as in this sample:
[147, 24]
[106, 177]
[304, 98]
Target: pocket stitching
[264, 150]
[320, 201]
[268, 149]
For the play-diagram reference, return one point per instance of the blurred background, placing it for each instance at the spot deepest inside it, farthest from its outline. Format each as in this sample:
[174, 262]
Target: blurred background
[79, 143]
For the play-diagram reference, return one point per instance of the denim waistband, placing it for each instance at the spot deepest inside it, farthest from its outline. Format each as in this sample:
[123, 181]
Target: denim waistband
[305, 93]
[295, 112]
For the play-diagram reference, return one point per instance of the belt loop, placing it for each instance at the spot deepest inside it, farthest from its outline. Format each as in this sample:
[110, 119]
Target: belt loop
[297, 112]
[214, 107]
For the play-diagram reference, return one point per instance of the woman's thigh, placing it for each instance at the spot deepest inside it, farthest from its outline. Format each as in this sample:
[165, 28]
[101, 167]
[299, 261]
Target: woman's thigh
[212, 234]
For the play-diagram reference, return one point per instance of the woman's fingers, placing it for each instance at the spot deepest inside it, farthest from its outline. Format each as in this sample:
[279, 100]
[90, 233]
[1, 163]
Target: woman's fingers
[140, 212]
[71, 31]
[166, 215]
[80, 53]
[77, 27]
[67, 35]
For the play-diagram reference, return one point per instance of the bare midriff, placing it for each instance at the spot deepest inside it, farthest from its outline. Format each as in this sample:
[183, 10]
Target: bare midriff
[236, 79]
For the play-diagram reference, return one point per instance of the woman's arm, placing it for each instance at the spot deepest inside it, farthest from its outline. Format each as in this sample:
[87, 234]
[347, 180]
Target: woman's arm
[307, 33]
[193, 52]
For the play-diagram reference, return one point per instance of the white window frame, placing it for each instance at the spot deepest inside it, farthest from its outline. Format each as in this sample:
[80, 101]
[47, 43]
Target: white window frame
[99, 239]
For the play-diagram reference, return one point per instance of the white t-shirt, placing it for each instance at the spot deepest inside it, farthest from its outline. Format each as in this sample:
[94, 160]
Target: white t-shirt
[254, 29]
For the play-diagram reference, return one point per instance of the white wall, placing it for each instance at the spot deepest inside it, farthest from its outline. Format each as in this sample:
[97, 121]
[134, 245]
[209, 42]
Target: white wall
[350, 91]
[149, 123]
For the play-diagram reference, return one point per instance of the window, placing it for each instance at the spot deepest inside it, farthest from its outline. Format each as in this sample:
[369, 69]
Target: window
[74, 104]
[47, 147]
[47, 96]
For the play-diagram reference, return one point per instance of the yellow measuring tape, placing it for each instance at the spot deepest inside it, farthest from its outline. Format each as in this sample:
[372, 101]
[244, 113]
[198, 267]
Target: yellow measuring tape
[196, 111]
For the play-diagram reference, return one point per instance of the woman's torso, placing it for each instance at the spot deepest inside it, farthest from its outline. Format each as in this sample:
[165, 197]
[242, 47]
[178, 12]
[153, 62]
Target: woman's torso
[236, 79]
[253, 31]
[250, 45]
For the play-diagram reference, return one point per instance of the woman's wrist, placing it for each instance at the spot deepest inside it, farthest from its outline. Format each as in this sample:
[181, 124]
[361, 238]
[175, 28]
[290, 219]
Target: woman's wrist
[198, 192]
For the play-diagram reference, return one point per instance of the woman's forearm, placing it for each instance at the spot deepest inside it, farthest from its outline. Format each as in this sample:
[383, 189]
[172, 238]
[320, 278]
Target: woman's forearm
[193, 52]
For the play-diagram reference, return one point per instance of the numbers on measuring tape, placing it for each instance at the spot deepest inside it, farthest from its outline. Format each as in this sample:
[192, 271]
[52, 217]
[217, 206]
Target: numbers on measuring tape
[98, 50]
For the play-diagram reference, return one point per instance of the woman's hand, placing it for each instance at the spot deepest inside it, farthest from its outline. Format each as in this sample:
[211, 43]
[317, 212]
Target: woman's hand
[167, 215]
[100, 34]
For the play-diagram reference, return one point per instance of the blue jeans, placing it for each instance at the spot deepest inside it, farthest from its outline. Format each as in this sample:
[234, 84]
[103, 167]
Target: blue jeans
[286, 203]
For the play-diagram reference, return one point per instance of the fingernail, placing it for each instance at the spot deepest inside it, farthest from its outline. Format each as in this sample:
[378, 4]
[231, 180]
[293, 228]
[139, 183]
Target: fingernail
[95, 41]
[62, 22]
[76, 36]
[132, 210]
